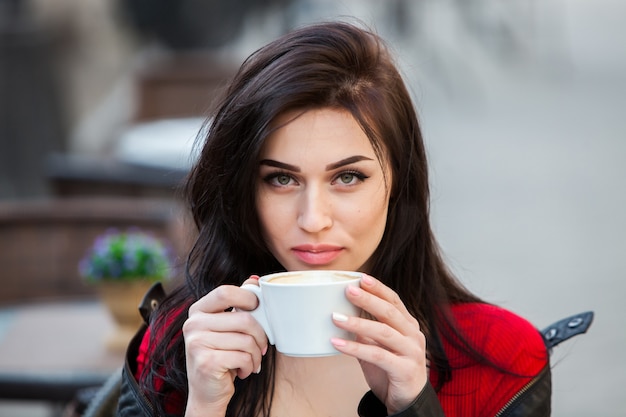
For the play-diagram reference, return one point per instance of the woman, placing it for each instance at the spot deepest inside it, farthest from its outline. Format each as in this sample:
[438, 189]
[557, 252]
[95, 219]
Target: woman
[314, 160]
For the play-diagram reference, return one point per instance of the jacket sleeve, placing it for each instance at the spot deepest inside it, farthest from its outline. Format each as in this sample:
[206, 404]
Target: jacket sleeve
[425, 405]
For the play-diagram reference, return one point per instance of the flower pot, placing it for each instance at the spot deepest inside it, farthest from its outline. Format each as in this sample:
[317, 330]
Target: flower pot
[122, 301]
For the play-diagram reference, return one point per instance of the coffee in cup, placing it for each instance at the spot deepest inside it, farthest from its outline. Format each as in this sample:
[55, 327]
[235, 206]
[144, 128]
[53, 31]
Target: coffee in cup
[310, 277]
[295, 309]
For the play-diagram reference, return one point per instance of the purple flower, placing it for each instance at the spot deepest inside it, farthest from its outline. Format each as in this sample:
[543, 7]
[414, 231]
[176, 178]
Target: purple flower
[126, 256]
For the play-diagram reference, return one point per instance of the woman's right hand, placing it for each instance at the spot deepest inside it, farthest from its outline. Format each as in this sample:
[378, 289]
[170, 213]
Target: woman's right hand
[220, 345]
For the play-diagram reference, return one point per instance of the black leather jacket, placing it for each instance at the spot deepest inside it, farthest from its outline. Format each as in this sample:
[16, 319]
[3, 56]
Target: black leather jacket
[531, 401]
[132, 402]
[534, 400]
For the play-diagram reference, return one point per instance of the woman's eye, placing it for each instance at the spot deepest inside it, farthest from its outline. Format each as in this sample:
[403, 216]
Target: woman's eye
[347, 178]
[350, 177]
[279, 180]
[282, 179]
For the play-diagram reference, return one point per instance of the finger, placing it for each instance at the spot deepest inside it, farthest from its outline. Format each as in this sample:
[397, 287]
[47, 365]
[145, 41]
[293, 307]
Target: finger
[382, 310]
[403, 371]
[216, 364]
[253, 280]
[233, 342]
[225, 323]
[369, 332]
[377, 288]
[376, 355]
[224, 297]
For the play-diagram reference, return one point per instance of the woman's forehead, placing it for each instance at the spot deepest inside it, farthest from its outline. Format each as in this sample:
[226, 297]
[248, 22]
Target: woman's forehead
[334, 130]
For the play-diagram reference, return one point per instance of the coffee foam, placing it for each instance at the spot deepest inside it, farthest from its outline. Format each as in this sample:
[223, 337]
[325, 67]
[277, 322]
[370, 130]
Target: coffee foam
[311, 278]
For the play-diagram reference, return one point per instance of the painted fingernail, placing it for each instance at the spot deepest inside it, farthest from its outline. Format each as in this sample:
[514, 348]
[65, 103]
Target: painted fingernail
[354, 290]
[340, 317]
[254, 277]
[367, 280]
[338, 342]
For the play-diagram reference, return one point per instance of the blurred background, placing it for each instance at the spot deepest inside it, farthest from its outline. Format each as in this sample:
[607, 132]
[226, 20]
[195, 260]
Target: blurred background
[522, 106]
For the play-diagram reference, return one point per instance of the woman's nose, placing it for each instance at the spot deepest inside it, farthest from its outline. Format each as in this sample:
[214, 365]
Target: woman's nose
[314, 213]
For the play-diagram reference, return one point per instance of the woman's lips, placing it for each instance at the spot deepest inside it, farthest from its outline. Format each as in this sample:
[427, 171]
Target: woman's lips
[317, 254]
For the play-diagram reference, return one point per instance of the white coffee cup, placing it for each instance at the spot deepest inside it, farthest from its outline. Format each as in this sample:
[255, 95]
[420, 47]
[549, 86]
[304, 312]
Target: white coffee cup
[295, 309]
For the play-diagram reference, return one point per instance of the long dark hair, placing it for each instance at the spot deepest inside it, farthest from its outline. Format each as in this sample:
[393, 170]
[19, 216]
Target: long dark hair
[326, 65]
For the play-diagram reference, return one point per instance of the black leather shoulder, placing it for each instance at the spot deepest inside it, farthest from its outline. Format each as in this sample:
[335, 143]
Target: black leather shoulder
[534, 400]
[567, 328]
[132, 402]
[151, 301]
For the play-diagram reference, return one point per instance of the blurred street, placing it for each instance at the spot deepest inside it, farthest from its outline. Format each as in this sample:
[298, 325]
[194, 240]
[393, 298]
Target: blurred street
[523, 110]
[528, 190]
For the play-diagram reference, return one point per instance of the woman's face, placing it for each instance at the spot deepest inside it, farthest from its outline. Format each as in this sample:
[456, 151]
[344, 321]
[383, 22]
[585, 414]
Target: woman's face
[322, 195]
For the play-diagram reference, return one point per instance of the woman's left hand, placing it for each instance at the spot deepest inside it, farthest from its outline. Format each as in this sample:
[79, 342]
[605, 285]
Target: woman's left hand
[390, 349]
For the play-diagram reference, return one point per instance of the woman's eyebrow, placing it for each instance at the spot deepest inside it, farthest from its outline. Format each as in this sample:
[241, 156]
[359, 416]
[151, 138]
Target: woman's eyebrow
[347, 161]
[329, 167]
[277, 164]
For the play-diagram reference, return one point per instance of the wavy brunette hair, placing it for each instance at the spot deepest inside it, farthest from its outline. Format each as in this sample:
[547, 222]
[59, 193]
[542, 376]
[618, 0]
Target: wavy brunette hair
[327, 65]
